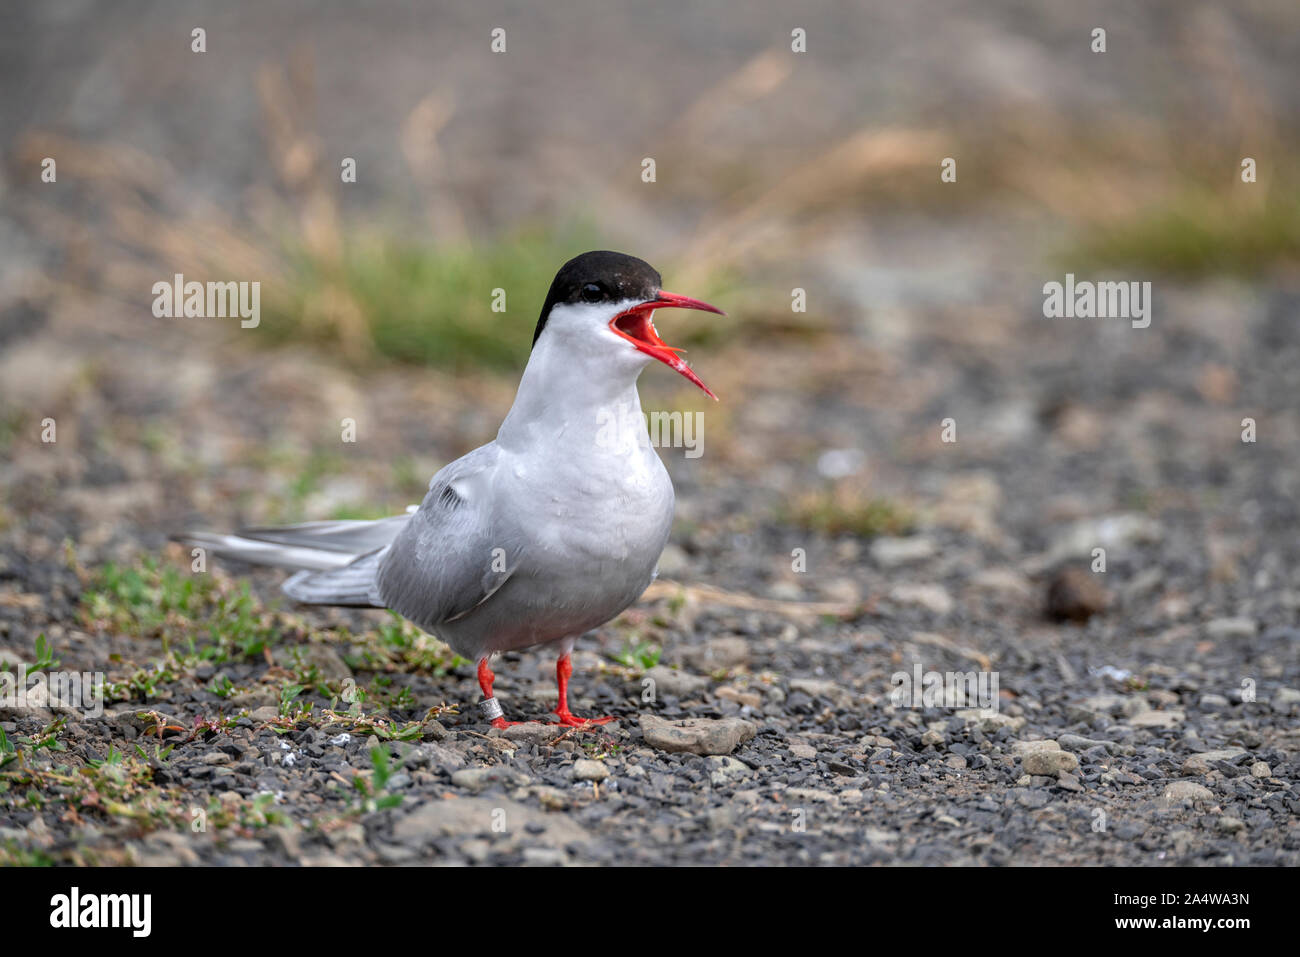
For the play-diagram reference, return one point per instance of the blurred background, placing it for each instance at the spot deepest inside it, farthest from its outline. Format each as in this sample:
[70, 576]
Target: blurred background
[775, 170]
[826, 538]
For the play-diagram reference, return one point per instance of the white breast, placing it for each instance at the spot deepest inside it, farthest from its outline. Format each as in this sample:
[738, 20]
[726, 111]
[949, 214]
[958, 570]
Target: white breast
[577, 475]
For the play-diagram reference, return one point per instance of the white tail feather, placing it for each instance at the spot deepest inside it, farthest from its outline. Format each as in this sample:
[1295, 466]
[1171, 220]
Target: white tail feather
[335, 562]
[257, 552]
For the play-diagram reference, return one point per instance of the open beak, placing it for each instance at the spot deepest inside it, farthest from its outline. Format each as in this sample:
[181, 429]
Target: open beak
[636, 325]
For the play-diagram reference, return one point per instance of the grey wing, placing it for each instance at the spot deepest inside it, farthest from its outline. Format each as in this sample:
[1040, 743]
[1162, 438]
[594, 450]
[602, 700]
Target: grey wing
[352, 585]
[319, 546]
[455, 551]
[351, 538]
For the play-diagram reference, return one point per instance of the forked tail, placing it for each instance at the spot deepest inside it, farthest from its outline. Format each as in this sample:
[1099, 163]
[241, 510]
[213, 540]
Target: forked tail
[335, 562]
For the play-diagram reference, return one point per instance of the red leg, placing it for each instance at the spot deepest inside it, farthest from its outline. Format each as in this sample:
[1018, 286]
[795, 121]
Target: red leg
[563, 669]
[485, 679]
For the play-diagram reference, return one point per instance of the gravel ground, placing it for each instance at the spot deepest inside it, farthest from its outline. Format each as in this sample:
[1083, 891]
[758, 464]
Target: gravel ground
[1162, 729]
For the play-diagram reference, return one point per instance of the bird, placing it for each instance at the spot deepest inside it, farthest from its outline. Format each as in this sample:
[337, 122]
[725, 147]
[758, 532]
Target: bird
[539, 536]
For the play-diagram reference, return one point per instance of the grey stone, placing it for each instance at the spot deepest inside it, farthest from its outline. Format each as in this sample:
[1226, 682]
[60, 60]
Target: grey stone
[585, 769]
[545, 857]
[725, 770]
[990, 721]
[1180, 792]
[483, 816]
[933, 598]
[820, 688]
[395, 853]
[1111, 532]
[1103, 703]
[1285, 698]
[679, 684]
[696, 735]
[1069, 782]
[1029, 747]
[1002, 581]
[1135, 705]
[287, 838]
[1075, 742]
[476, 779]
[328, 662]
[434, 755]
[1157, 719]
[254, 698]
[1221, 628]
[433, 730]
[795, 796]
[1203, 763]
[894, 552]
[532, 732]
[726, 652]
[1049, 762]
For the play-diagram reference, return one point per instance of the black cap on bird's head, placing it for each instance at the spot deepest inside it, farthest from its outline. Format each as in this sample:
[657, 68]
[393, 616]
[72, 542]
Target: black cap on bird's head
[608, 278]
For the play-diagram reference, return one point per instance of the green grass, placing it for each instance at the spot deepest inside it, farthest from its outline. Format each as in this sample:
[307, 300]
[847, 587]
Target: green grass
[846, 512]
[386, 298]
[153, 601]
[12, 855]
[1200, 233]
[398, 645]
[244, 816]
[118, 787]
[43, 659]
[8, 752]
[424, 303]
[192, 619]
[307, 473]
[204, 618]
[12, 422]
[372, 791]
[639, 654]
[140, 600]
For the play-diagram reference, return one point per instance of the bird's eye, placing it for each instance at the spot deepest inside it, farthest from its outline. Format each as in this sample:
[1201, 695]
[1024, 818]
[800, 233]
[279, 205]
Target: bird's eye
[593, 292]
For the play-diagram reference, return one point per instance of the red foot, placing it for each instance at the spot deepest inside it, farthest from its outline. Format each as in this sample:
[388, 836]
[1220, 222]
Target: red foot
[485, 679]
[571, 720]
[563, 669]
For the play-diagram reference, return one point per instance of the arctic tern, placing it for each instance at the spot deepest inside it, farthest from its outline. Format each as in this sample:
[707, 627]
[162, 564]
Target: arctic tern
[539, 536]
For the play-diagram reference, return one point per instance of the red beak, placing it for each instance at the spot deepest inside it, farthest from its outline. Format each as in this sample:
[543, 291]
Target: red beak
[636, 325]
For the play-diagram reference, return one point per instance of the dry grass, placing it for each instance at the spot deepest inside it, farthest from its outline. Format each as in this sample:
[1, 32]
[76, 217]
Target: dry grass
[369, 295]
[846, 508]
